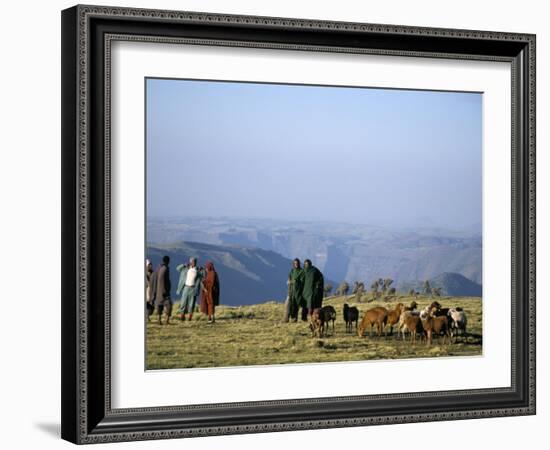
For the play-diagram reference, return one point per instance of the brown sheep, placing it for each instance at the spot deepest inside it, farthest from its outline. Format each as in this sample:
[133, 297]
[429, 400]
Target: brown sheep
[437, 325]
[439, 311]
[375, 316]
[407, 311]
[413, 324]
[393, 317]
[316, 323]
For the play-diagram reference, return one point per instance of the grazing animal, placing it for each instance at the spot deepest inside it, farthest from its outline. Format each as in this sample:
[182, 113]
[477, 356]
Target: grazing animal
[401, 324]
[458, 321]
[435, 325]
[439, 310]
[350, 315]
[393, 317]
[328, 314]
[374, 316]
[425, 313]
[410, 321]
[316, 324]
[407, 309]
[412, 306]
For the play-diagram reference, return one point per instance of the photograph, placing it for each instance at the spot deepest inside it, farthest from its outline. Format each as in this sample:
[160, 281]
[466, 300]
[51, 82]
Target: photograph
[333, 217]
[303, 224]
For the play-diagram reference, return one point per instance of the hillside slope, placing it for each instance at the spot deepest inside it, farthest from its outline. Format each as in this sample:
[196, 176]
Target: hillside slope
[247, 275]
[342, 251]
[453, 284]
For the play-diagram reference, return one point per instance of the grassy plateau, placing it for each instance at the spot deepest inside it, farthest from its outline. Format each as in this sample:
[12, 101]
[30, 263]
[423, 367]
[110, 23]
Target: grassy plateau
[257, 335]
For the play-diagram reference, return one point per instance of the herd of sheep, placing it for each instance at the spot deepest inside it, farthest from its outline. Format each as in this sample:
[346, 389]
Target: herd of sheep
[432, 321]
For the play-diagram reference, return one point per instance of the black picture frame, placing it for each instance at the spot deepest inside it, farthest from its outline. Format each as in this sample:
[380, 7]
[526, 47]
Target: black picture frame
[87, 416]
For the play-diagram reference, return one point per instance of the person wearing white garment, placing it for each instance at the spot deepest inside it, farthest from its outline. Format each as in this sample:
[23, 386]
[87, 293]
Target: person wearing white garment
[189, 287]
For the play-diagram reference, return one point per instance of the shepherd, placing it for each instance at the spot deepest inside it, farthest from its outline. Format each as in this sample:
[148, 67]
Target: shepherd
[149, 305]
[295, 286]
[210, 297]
[161, 290]
[189, 287]
[313, 288]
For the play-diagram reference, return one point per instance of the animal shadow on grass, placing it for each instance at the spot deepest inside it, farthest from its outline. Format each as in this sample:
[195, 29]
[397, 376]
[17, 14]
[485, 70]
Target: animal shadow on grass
[469, 339]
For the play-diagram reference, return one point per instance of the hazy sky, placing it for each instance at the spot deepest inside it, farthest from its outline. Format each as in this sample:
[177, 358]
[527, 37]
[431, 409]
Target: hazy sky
[377, 156]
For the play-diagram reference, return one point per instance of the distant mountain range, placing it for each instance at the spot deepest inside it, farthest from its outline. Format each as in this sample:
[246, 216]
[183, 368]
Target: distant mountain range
[253, 275]
[247, 275]
[343, 251]
[452, 284]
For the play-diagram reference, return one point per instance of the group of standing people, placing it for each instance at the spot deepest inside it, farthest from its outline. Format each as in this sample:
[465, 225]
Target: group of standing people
[305, 290]
[193, 280]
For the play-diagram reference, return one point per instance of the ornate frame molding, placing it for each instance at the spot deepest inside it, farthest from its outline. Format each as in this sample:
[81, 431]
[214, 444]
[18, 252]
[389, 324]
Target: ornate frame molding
[80, 422]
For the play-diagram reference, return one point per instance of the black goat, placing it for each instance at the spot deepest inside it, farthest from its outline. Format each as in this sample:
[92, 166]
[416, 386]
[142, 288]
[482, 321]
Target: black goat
[328, 314]
[350, 315]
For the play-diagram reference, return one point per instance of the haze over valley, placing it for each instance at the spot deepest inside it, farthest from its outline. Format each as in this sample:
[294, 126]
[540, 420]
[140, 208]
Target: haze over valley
[258, 252]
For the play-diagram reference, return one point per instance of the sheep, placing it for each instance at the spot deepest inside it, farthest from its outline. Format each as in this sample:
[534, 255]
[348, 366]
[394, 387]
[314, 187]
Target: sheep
[401, 326]
[426, 312]
[412, 306]
[435, 324]
[411, 322]
[316, 323]
[328, 314]
[459, 321]
[439, 310]
[393, 317]
[435, 304]
[374, 316]
[350, 315]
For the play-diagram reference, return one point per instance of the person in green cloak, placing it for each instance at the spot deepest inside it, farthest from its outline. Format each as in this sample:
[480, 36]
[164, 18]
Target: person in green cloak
[295, 287]
[312, 292]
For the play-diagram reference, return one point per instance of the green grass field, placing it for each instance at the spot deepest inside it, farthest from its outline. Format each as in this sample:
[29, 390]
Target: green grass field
[257, 335]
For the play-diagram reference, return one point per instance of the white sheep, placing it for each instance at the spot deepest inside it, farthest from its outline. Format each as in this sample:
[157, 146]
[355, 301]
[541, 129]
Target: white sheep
[426, 313]
[459, 320]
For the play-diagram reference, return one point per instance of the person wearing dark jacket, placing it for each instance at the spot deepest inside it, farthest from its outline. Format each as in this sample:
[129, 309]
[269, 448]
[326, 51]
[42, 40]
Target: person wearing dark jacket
[312, 292]
[149, 305]
[161, 290]
[295, 287]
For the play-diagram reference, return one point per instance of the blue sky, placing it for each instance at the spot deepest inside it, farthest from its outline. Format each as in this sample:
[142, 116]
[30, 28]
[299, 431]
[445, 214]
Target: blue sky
[360, 155]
